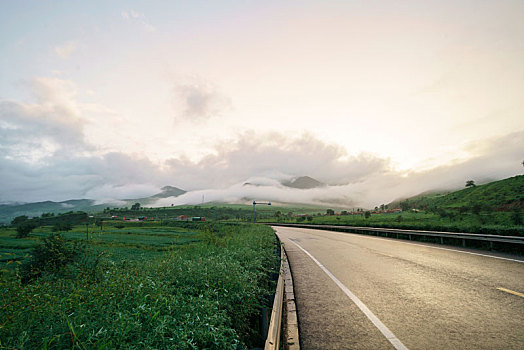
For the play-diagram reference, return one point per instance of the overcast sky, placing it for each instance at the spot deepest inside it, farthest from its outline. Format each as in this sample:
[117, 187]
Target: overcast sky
[115, 99]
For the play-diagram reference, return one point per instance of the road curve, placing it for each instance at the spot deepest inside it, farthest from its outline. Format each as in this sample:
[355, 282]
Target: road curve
[427, 298]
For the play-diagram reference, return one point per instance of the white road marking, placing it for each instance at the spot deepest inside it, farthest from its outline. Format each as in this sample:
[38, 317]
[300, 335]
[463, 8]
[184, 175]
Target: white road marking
[511, 292]
[461, 251]
[381, 327]
[420, 245]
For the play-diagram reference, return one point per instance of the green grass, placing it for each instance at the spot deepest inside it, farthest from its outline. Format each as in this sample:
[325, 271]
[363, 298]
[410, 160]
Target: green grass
[485, 209]
[495, 196]
[485, 223]
[204, 290]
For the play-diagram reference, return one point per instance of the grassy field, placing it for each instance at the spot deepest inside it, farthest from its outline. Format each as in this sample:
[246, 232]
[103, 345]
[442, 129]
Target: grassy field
[149, 286]
[232, 212]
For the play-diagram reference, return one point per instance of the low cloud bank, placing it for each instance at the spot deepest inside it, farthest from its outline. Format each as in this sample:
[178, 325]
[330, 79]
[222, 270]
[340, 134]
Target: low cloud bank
[44, 155]
[496, 158]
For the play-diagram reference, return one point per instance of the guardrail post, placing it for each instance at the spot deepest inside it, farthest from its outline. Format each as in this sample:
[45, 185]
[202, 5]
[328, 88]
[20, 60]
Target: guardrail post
[442, 240]
[463, 242]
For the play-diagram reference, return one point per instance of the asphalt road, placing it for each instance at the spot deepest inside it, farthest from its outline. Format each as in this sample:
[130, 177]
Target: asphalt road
[379, 293]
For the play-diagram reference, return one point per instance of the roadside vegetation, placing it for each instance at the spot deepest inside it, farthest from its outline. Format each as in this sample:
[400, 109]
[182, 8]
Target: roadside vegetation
[493, 208]
[484, 223]
[179, 285]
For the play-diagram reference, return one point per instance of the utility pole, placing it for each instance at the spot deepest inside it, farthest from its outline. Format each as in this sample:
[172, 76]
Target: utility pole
[254, 205]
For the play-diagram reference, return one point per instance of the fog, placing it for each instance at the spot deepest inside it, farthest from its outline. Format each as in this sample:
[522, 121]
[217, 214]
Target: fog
[46, 155]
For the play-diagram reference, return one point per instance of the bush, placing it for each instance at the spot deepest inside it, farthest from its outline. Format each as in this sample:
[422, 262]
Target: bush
[19, 219]
[54, 254]
[24, 229]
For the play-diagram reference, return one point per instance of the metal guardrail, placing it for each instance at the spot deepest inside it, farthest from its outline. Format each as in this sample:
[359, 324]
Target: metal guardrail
[273, 334]
[409, 233]
[283, 314]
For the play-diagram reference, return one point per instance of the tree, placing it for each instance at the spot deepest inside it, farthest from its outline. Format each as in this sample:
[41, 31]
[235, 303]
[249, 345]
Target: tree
[330, 212]
[19, 219]
[367, 214]
[470, 183]
[135, 206]
[24, 229]
[404, 205]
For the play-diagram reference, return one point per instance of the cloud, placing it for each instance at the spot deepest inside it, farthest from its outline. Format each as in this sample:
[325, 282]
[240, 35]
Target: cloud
[139, 18]
[221, 177]
[196, 100]
[72, 176]
[65, 50]
[275, 155]
[364, 181]
[35, 130]
[44, 155]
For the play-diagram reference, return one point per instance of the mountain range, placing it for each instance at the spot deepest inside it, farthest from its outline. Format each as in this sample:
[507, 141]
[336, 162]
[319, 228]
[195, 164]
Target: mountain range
[8, 211]
[499, 195]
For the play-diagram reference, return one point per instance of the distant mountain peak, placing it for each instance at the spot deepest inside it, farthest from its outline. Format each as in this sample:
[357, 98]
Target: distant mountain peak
[169, 191]
[303, 183]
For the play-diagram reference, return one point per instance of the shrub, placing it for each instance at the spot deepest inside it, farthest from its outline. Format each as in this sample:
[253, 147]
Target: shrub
[24, 229]
[54, 254]
[19, 219]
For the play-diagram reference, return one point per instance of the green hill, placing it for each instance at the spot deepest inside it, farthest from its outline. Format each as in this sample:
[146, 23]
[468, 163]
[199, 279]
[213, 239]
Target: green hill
[503, 195]
[10, 211]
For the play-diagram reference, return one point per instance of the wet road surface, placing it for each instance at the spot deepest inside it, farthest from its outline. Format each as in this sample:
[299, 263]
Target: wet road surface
[351, 290]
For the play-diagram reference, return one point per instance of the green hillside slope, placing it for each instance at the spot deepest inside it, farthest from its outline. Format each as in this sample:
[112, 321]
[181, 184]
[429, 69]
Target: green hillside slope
[503, 195]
